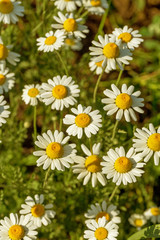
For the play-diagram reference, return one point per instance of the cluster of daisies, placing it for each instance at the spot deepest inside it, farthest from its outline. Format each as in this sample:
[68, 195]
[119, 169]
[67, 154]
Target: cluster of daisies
[10, 10]
[33, 215]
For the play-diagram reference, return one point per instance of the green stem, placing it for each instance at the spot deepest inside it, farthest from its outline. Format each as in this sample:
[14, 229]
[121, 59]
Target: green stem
[97, 84]
[113, 193]
[114, 130]
[61, 60]
[101, 25]
[46, 177]
[61, 121]
[84, 14]
[34, 123]
[119, 77]
[90, 145]
[79, 11]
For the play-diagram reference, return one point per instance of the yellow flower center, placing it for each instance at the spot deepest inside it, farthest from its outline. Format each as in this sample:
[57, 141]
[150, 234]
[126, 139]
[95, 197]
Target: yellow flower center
[126, 37]
[59, 92]
[70, 25]
[101, 233]
[3, 52]
[111, 50]
[123, 101]
[54, 150]
[69, 42]
[33, 92]
[123, 165]
[92, 164]
[82, 120]
[16, 232]
[37, 210]
[95, 3]
[2, 79]
[102, 214]
[50, 40]
[155, 211]
[138, 222]
[99, 64]
[154, 142]
[6, 6]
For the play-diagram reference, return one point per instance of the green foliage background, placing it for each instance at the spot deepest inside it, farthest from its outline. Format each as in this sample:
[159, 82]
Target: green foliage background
[19, 176]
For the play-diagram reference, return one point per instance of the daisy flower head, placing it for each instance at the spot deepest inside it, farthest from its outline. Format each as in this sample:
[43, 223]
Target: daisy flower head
[4, 113]
[101, 230]
[97, 67]
[68, 5]
[60, 92]
[70, 25]
[95, 6]
[83, 120]
[153, 214]
[130, 38]
[55, 153]
[124, 102]
[35, 209]
[10, 10]
[7, 79]
[89, 167]
[137, 220]
[6, 54]
[15, 228]
[97, 211]
[122, 167]
[52, 41]
[147, 142]
[111, 52]
[74, 43]
[31, 94]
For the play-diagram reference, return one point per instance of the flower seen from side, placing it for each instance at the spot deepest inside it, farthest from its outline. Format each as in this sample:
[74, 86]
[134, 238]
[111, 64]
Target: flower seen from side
[4, 112]
[84, 120]
[35, 209]
[17, 228]
[52, 41]
[111, 52]
[31, 94]
[122, 167]
[97, 67]
[55, 153]
[7, 79]
[89, 167]
[137, 220]
[97, 211]
[60, 92]
[147, 143]
[153, 214]
[69, 5]
[125, 102]
[73, 43]
[70, 25]
[95, 6]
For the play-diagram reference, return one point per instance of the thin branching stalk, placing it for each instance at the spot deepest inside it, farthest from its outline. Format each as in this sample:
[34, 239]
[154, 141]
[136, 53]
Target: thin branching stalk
[61, 60]
[46, 177]
[61, 121]
[113, 193]
[34, 122]
[119, 77]
[97, 84]
[114, 130]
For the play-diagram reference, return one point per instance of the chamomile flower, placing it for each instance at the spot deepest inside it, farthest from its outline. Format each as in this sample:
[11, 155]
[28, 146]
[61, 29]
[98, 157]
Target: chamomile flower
[97, 67]
[124, 102]
[101, 230]
[148, 143]
[68, 5]
[70, 25]
[130, 38]
[55, 152]
[6, 54]
[4, 113]
[35, 209]
[15, 228]
[97, 211]
[10, 10]
[153, 214]
[74, 43]
[60, 92]
[122, 167]
[31, 94]
[52, 41]
[95, 6]
[111, 52]
[83, 120]
[7, 79]
[89, 167]
[137, 220]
